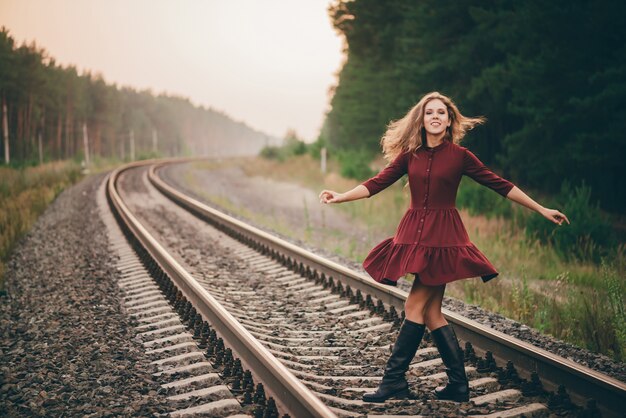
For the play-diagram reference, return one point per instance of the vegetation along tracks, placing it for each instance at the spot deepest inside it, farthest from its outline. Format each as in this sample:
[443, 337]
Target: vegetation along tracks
[324, 331]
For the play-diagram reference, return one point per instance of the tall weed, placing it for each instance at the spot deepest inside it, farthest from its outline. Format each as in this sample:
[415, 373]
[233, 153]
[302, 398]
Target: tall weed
[524, 304]
[615, 289]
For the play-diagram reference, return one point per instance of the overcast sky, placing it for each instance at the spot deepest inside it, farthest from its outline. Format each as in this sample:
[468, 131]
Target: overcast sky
[269, 63]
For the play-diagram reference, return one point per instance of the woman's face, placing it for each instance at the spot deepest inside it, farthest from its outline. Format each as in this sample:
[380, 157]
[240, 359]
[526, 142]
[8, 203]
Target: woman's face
[436, 117]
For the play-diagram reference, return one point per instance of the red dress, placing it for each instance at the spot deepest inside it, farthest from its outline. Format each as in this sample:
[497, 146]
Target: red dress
[431, 240]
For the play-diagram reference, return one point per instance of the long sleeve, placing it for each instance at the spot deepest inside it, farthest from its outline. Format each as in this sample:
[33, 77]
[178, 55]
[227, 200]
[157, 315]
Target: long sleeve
[388, 175]
[475, 169]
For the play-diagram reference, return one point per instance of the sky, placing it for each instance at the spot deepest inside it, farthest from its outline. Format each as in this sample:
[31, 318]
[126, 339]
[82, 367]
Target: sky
[269, 63]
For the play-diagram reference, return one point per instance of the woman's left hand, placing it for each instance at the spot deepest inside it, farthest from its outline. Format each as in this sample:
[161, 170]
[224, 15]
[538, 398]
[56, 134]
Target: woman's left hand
[554, 216]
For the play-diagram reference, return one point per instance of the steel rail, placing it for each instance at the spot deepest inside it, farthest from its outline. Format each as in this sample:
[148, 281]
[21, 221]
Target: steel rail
[581, 382]
[289, 392]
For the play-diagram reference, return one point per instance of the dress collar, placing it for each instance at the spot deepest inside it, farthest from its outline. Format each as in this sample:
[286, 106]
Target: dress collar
[443, 144]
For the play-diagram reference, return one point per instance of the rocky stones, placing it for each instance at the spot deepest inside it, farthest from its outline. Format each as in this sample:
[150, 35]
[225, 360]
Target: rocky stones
[67, 345]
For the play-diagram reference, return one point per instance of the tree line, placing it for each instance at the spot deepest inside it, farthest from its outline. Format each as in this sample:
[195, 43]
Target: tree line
[549, 76]
[51, 112]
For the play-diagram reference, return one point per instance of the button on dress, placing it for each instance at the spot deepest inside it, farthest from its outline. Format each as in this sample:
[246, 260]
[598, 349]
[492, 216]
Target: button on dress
[431, 241]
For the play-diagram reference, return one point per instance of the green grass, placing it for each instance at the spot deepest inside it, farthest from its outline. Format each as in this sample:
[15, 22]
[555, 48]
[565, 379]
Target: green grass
[24, 194]
[571, 298]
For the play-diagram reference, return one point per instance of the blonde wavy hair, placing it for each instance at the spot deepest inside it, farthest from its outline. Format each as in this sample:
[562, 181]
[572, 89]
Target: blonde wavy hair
[408, 133]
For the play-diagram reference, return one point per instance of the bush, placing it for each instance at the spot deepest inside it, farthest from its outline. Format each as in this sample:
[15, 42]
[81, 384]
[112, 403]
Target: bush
[291, 146]
[294, 146]
[271, 152]
[587, 238]
[355, 164]
[315, 148]
[480, 200]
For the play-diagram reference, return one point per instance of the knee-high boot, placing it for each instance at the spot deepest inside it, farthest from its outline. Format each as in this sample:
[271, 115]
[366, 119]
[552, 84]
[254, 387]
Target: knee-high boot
[457, 388]
[394, 382]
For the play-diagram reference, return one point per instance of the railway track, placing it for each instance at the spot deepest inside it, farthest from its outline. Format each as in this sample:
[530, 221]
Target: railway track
[313, 333]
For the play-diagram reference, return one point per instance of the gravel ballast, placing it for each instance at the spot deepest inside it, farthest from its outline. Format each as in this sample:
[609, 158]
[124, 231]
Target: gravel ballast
[67, 346]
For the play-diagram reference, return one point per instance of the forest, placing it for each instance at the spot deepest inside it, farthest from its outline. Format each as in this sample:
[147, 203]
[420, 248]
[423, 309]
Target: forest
[549, 76]
[49, 112]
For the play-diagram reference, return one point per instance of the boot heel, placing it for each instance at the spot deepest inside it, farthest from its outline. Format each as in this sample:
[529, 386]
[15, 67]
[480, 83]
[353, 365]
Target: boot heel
[375, 398]
[455, 398]
[404, 394]
[452, 393]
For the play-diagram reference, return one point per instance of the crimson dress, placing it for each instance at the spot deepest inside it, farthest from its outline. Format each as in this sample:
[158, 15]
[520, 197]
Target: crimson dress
[431, 240]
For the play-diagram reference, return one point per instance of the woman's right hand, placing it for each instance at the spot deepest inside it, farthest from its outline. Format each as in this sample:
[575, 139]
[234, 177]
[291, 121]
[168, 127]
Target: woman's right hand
[329, 196]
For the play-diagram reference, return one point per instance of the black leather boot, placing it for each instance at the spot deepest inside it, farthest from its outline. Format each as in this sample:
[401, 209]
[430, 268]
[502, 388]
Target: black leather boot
[457, 388]
[394, 384]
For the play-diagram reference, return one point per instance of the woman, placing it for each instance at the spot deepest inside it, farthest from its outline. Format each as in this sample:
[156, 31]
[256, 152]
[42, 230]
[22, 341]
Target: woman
[431, 241]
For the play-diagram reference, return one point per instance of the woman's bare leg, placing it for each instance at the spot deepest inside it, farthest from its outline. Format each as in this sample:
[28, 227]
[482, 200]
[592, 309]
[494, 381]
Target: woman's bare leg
[433, 318]
[420, 298]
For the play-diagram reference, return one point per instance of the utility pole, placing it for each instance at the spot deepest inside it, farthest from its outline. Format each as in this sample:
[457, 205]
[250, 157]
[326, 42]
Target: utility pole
[132, 145]
[5, 126]
[323, 159]
[155, 140]
[86, 144]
